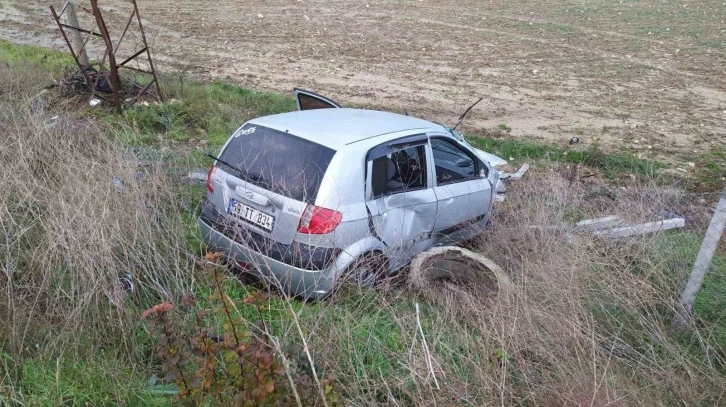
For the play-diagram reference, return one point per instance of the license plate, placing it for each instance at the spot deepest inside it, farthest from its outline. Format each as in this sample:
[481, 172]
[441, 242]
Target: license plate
[250, 215]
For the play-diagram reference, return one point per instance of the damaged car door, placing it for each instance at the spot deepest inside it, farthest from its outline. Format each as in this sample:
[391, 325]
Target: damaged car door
[400, 201]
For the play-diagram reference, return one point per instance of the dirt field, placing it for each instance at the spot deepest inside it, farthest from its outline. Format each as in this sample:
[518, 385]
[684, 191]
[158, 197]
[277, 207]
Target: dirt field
[644, 76]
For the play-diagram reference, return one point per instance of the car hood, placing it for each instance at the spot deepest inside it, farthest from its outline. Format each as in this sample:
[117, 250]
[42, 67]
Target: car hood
[492, 159]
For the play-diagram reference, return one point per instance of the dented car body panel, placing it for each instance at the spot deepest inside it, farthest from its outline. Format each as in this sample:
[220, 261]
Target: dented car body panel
[298, 198]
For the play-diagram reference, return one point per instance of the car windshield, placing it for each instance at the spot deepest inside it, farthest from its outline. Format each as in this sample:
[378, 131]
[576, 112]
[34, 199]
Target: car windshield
[278, 161]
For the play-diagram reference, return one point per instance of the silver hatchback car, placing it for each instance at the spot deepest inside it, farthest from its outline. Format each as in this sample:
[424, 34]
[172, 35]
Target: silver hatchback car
[306, 198]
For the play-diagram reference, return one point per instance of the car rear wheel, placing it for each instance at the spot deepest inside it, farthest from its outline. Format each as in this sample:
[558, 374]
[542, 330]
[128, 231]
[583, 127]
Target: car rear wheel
[369, 270]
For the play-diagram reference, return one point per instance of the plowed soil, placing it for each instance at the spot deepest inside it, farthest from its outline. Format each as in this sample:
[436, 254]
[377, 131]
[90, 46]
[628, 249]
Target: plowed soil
[643, 76]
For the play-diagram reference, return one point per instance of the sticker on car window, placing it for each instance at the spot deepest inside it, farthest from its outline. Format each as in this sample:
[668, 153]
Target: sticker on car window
[246, 132]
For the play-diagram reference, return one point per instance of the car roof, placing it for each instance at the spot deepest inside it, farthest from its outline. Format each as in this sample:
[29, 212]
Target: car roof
[335, 128]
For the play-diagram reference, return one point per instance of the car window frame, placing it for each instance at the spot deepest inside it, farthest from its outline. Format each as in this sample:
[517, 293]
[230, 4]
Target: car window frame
[455, 144]
[392, 146]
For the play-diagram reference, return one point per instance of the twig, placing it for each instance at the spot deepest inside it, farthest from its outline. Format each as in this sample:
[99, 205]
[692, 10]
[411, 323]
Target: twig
[286, 364]
[385, 383]
[307, 353]
[429, 363]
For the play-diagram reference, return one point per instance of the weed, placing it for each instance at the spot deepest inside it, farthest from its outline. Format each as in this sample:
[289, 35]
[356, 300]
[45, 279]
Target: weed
[79, 220]
[712, 43]
[234, 366]
[584, 321]
[711, 169]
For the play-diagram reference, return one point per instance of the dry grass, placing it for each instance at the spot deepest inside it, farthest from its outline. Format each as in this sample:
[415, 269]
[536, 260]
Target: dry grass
[68, 234]
[590, 319]
[584, 321]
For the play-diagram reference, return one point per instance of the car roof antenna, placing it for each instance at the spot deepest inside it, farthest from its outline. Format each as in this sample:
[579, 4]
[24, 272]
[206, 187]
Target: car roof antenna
[405, 111]
[463, 116]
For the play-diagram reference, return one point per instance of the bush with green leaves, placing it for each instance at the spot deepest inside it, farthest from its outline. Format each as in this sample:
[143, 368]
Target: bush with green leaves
[231, 366]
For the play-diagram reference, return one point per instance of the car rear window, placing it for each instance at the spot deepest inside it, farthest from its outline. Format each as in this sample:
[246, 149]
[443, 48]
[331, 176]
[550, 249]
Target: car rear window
[278, 161]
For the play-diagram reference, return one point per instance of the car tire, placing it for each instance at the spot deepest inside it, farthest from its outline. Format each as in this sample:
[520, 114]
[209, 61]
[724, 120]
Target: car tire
[368, 270]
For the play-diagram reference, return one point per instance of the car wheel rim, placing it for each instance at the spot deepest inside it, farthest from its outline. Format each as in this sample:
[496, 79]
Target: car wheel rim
[365, 276]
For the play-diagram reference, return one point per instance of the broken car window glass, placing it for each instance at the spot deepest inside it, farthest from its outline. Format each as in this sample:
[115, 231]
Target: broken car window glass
[401, 171]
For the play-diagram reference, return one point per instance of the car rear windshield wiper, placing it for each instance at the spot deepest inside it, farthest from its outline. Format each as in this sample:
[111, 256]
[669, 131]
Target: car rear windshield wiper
[224, 162]
[240, 171]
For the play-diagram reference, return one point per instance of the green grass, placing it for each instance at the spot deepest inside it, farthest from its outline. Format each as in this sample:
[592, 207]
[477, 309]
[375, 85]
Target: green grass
[712, 43]
[374, 334]
[49, 59]
[711, 170]
[97, 381]
[190, 197]
[208, 111]
[195, 111]
[367, 337]
[612, 165]
[666, 265]
[375, 337]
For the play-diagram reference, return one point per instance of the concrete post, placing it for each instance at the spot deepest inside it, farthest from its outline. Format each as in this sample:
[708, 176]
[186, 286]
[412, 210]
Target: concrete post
[703, 261]
[76, 38]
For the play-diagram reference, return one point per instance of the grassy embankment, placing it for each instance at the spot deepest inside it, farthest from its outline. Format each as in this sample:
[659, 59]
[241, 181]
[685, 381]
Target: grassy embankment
[583, 322]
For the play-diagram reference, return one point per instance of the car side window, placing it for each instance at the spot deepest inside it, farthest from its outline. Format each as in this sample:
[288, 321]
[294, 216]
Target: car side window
[452, 163]
[400, 171]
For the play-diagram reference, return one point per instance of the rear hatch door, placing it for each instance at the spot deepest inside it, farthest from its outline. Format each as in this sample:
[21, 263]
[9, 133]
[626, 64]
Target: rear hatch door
[307, 100]
[269, 179]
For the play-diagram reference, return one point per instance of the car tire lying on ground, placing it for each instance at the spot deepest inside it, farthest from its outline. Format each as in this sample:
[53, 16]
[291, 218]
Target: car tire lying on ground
[460, 267]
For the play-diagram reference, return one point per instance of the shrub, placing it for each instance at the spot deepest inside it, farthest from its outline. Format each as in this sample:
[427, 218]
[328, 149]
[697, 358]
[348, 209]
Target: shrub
[233, 366]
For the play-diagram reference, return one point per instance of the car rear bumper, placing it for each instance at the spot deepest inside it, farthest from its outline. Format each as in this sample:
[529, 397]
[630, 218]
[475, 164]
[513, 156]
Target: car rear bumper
[295, 281]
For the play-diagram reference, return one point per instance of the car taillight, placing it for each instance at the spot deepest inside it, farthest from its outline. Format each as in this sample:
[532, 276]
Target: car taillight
[210, 178]
[319, 221]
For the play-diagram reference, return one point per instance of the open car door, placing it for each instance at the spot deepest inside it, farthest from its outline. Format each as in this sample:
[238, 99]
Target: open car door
[307, 100]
